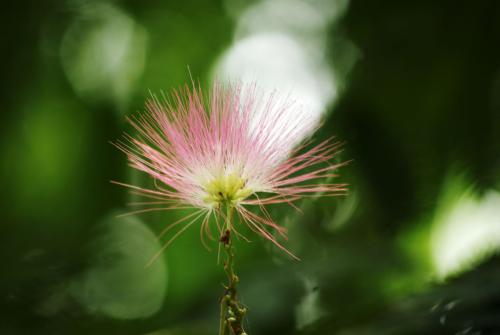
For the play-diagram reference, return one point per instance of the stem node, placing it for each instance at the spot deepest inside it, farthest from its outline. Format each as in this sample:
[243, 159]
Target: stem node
[231, 313]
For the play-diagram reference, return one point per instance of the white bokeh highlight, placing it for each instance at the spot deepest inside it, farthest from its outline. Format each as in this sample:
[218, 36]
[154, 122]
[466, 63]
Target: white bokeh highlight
[281, 45]
[465, 232]
[103, 53]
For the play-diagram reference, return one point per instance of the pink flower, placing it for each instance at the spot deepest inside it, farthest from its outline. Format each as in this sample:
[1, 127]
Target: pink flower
[232, 148]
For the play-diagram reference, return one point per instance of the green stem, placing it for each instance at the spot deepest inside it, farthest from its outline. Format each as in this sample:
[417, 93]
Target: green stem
[232, 314]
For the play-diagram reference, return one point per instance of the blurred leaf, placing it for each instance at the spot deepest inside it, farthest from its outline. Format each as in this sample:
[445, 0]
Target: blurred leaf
[117, 283]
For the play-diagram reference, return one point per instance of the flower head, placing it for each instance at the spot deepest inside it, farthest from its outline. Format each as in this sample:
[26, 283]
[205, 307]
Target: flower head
[231, 149]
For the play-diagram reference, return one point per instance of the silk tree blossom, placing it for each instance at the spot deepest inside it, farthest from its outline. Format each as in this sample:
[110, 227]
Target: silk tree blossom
[233, 148]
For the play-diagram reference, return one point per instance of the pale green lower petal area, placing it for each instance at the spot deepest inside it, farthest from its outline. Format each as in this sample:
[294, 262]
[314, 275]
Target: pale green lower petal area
[117, 283]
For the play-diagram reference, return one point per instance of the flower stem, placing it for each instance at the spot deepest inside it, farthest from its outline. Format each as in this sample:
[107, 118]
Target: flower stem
[231, 312]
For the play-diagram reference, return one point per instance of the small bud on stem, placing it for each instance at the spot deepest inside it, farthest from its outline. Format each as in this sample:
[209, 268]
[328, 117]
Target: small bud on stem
[232, 314]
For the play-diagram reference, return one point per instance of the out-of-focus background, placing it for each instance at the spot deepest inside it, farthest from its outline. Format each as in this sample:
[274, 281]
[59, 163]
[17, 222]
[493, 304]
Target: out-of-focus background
[412, 87]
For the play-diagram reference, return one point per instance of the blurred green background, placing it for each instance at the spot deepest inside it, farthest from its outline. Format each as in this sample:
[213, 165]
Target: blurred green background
[412, 87]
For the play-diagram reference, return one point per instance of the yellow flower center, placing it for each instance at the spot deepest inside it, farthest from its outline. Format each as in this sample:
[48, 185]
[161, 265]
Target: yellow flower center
[226, 190]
